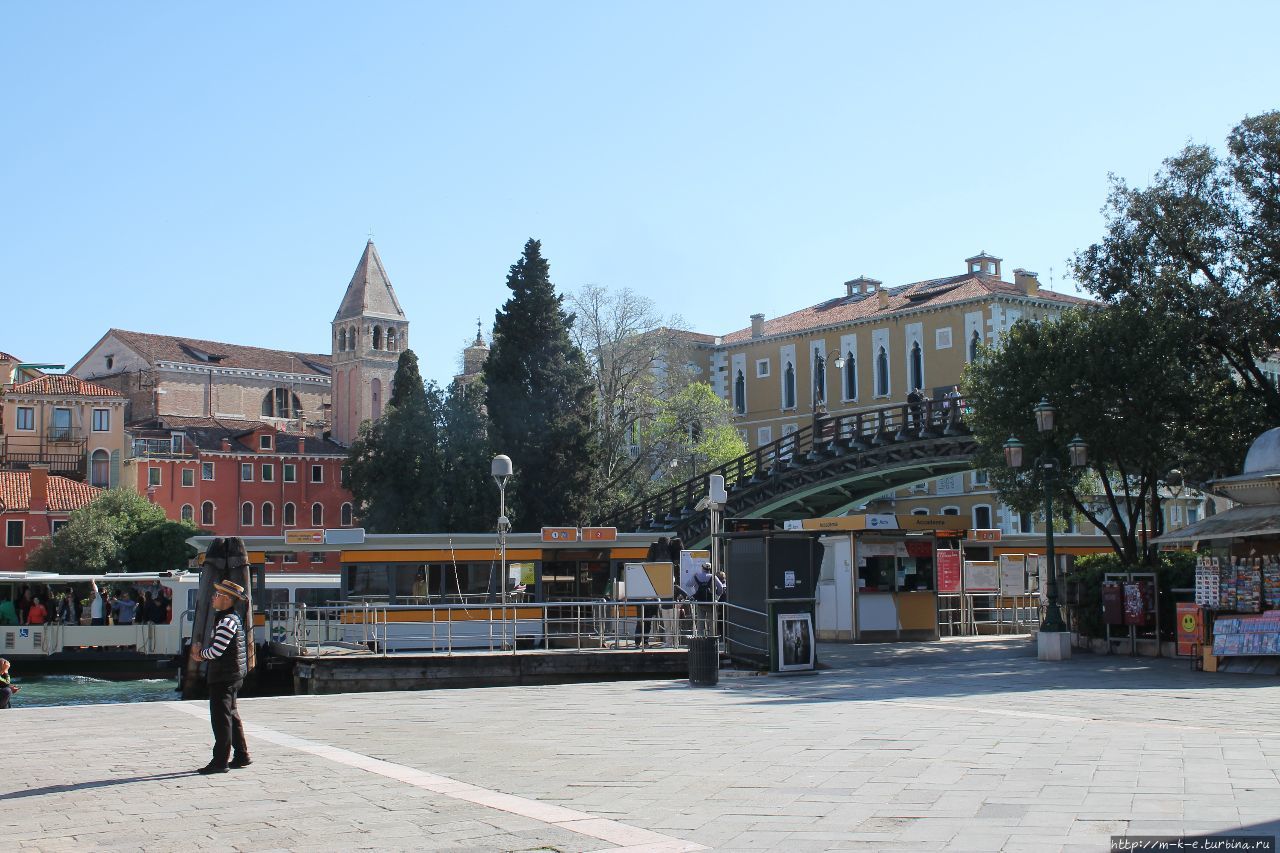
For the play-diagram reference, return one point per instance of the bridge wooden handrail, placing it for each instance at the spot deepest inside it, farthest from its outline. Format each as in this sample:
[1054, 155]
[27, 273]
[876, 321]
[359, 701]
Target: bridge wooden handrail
[835, 434]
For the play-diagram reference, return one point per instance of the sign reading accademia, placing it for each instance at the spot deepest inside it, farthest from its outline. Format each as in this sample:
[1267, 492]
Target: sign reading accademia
[879, 521]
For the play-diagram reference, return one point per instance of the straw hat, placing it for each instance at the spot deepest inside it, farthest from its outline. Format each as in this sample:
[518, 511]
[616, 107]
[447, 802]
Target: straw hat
[232, 589]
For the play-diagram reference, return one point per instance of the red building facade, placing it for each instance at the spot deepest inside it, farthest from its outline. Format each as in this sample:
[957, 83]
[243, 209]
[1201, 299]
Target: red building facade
[242, 478]
[35, 504]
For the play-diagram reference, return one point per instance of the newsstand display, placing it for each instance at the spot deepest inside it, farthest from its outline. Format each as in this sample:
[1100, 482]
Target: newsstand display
[1241, 597]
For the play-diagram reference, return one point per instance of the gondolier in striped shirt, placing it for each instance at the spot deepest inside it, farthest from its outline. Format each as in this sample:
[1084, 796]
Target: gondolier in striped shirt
[228, 665]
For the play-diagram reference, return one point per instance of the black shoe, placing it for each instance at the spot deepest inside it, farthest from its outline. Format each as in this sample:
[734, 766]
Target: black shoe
[240, 761]
[213, 768]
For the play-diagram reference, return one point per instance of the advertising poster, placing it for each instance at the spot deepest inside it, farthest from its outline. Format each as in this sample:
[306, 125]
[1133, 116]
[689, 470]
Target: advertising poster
[948, 570]
[795, 642]
[1190, 621]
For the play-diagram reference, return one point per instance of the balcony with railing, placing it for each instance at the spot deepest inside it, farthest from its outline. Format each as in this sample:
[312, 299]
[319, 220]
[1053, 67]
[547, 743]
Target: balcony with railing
[66, 457]
[161, 448]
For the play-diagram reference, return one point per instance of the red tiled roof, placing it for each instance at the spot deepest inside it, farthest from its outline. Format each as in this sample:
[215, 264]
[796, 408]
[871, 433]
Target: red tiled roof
[189, 351]
[63, 384]
[922, 294]
[4, 356]
[64, 495]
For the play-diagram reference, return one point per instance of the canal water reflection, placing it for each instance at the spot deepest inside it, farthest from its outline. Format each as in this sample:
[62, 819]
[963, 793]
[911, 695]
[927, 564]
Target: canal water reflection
[47, 690]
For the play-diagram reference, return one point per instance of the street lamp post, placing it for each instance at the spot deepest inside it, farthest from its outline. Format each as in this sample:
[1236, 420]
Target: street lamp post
[501, 470]
[820, 386]
[1048, 466]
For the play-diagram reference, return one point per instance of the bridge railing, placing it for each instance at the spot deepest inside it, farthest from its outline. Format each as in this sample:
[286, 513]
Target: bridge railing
[830, 436]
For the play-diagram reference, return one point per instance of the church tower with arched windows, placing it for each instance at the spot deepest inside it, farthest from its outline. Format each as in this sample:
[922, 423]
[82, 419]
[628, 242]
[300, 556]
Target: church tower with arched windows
[369, 333]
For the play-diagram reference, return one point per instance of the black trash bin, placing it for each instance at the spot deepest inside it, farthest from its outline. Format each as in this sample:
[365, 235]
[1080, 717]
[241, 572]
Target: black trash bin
[704, 661]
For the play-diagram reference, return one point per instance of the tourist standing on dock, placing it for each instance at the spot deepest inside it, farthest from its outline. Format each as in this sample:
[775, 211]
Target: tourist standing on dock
[7, 688]
[228, 665]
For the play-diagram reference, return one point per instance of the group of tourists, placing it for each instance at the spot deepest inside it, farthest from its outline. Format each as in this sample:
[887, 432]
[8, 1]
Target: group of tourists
[41, 604]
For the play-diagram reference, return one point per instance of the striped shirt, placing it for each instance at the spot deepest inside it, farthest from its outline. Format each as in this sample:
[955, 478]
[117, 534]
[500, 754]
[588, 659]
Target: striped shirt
[228, 627]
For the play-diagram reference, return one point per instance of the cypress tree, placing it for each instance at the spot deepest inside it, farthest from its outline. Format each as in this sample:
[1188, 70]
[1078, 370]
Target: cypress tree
[539, 400]
[471, 498]
[395, 466]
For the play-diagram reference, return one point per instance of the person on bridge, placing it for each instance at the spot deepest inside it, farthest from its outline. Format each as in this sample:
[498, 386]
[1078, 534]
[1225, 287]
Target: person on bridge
[228, 665]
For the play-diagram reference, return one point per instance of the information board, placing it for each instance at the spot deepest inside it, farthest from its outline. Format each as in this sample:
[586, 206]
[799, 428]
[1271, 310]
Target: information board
[1013, 574]
[981, 576]
[948, 570]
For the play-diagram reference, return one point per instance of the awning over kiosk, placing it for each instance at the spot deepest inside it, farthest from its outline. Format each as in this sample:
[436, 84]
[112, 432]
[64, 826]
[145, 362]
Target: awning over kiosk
[1238, 522]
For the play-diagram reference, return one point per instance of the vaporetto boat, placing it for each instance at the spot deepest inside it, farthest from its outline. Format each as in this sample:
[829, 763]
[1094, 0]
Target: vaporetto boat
[142, 647]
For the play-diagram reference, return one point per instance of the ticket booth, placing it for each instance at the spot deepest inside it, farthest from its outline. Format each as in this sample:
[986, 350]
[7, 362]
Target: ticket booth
[878, 580]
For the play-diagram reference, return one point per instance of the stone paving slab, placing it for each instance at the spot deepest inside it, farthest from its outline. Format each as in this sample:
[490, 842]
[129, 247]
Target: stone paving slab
[959, 745]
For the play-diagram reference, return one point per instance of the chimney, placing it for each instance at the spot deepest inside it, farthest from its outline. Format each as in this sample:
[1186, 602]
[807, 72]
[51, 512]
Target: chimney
[882, 297]
[39, 488]
[1028, 281]
[302, 445]
[757, 325]
[226, 445]
[862, 285]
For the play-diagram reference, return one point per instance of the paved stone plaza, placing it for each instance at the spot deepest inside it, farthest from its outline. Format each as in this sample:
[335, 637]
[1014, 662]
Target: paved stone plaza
[959, 745]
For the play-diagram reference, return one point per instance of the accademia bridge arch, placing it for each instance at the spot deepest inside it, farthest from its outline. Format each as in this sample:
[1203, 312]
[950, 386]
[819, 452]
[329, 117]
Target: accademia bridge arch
[812, 472]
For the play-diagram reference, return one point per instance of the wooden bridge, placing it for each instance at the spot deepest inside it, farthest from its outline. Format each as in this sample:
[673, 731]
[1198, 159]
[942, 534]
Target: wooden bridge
[821, 469]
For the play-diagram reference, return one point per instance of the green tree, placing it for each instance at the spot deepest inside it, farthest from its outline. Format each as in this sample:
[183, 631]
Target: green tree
[539, 400]
[1120, 380]
[691, 432]
[471, 495]
[636, 357]
[1202, 243]
[116, 529]
[395, 466]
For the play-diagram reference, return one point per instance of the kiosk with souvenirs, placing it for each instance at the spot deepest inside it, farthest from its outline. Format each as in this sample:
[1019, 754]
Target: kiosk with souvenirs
[1235, 622]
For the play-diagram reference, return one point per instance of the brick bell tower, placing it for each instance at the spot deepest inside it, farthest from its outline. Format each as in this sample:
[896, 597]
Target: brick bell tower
[369, 333]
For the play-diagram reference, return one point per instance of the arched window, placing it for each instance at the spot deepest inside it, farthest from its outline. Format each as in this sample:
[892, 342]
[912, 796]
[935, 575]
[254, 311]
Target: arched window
[268, 515]
[317, 515]
[342, 340]
[375, 396]
[920, 511]
[391, 338]
[982, 517]
[290, 515]
[819, 379]
[246, 514]
[917, 367]
[281, 403]
[188, 513]
[740, 394]
[100, 469]
[951, 510]
[882, 373]
[974, 343]
[850, 377]
[377, 337]
[353, 338]
[206, 513]
[789, 386]
[346, 515]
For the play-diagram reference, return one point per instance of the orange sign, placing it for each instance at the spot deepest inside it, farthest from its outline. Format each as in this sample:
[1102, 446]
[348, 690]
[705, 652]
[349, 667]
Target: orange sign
[599, 534]
[1190, 627]
[304, 537]
[992, 535]
[559, 534]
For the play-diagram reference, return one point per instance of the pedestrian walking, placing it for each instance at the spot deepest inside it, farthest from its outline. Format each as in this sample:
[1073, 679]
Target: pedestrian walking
[228, 665]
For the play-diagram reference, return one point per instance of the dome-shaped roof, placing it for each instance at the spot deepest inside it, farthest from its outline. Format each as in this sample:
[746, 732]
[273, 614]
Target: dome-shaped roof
[1264, 455]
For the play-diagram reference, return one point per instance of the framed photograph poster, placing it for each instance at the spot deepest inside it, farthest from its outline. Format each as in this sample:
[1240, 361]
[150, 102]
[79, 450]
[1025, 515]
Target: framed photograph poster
[795, 642]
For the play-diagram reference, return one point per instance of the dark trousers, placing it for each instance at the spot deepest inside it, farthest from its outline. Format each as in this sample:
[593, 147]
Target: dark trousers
[5, 693]
[645, 623]
[224, 716]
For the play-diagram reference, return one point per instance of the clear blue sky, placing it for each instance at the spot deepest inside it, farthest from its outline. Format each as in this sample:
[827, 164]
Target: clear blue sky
[214, 169]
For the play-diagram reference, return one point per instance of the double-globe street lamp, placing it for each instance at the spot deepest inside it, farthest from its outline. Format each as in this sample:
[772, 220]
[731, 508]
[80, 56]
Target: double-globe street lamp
[820, 384]
[1049, 467]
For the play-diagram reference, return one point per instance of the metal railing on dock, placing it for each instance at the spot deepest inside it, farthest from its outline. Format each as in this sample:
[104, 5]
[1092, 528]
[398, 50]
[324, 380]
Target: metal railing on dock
[380, 628]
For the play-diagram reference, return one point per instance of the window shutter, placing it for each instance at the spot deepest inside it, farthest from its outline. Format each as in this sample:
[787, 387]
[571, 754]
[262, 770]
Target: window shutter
[113, 479]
